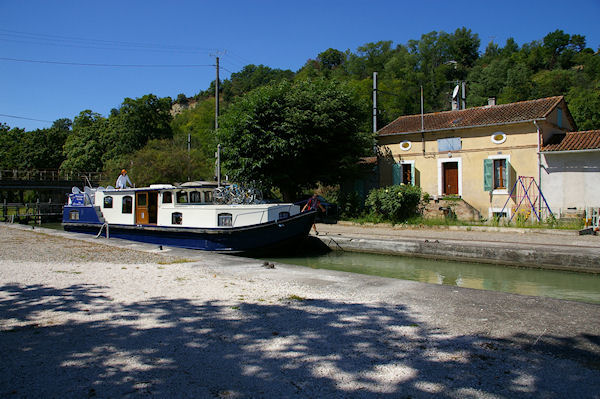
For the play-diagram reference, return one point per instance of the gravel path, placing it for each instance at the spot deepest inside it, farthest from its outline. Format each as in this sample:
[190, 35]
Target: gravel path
[84, 319]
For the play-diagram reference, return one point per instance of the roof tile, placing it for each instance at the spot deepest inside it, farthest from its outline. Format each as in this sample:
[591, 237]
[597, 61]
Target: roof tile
[471, 117]
[574, 141]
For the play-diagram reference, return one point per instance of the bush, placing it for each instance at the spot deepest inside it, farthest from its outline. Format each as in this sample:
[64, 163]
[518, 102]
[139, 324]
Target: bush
[394, 203]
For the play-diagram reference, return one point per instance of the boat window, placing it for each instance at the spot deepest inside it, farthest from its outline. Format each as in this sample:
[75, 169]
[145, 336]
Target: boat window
[74, 215]
[182, 197]
[195, 197]
[127, 204]
[108, 201]
[208, 196]
[284, 215]
[167, 197]
[176, 218]
[142, 199]
[225, 219]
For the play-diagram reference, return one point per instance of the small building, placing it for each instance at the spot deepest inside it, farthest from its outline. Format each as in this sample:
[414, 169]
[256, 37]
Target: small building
[476, 154]
[571, 171]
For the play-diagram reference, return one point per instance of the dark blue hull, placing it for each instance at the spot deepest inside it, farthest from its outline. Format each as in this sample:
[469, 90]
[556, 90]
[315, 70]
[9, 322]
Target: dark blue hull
[236, 239]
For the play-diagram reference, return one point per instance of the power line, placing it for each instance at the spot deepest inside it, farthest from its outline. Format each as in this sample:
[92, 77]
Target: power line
[108, 65]
[49, 39]
[28, 119]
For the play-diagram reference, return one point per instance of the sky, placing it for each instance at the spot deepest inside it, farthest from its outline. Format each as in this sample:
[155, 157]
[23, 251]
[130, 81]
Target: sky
[58, 58]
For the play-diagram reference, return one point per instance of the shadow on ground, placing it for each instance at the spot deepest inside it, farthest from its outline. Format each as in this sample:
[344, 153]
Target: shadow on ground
[294, 348]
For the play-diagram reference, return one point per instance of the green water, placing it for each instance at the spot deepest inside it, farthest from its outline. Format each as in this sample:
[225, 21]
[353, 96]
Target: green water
[537, 282]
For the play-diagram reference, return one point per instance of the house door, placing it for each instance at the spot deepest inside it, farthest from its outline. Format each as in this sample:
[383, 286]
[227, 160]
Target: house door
[141, 208]
[450, 178]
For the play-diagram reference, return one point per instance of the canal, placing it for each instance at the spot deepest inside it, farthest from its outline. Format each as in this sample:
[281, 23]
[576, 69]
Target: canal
[581, 287]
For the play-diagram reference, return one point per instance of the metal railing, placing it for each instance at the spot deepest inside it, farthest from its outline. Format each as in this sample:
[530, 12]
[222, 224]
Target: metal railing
[49, 175]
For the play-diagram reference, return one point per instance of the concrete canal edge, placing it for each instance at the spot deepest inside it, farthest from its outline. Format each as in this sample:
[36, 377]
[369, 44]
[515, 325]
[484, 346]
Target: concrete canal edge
[568, 258]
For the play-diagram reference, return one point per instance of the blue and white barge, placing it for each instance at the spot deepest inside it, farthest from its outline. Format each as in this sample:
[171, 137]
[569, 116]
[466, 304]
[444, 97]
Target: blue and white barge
[187, 216]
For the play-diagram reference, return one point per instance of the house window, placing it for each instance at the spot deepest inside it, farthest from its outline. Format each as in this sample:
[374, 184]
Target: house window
[195, 197]
[108, 202]
[167, 197]
[127, 204]
[405, 145]
[208, 197]
[499, 174]
[176, 218]
[559, 117]
[74, 215]
[404, 173]
[496, 174]
[225, 219]
[284, 215]
[182, 197]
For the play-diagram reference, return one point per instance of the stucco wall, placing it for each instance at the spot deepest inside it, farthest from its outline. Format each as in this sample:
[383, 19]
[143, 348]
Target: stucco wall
[520, 147]
[571, 180]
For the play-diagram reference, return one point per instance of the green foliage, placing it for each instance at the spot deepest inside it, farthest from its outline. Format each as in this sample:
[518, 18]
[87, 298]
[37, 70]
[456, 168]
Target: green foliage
[292, 135]
[135, 123]
[249, 78]
[160, 161]
[84, 148]
[394, 203]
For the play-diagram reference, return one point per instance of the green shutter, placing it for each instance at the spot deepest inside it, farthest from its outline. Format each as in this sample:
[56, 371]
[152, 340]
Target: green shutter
[397, 174]
[488, 174]
[412, 174]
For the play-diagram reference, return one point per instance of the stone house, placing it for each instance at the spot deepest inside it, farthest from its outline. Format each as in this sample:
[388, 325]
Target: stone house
[476, 154]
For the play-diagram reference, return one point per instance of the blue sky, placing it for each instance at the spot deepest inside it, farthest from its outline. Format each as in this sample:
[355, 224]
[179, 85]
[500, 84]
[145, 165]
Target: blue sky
[279, 34]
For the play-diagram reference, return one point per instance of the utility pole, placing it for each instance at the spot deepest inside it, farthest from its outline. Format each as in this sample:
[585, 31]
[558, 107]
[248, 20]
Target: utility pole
[217, 97]
[218, 154]
[374, 102]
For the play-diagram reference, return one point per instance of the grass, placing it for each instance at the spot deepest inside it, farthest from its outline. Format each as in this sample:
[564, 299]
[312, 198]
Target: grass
[433, 222]
[296, 298]
[174, 261]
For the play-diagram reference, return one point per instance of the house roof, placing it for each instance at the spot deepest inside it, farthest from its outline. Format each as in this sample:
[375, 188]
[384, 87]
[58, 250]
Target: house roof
[522, 111]
[573, 141]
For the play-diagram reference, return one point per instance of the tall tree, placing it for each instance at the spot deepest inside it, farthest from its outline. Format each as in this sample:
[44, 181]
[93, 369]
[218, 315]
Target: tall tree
[135, 123]
[83, 148]
[291, 136]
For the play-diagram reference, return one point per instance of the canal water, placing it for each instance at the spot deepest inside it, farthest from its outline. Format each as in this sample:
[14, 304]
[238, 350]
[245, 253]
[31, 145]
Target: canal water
[581, 287]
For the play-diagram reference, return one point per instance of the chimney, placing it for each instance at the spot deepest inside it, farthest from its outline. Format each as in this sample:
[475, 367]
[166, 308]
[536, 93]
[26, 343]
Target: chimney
[491, 101]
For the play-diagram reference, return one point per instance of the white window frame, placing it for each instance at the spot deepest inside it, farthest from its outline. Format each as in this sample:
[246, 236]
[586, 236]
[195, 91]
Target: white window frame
[411, 164]
[440, 163]
[498, 210]
[501, 191]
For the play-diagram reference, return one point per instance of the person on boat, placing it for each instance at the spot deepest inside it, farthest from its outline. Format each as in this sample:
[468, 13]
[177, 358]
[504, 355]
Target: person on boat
[123, 180]
[312, 204]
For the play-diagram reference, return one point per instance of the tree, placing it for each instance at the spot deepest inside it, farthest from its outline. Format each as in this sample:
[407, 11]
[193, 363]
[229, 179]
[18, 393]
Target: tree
[135, 123]
[249, 78]
[331, 59]
[83, 148]
[584, 105]
[290, 136]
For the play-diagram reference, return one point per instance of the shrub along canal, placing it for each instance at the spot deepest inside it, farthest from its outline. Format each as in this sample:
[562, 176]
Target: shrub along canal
[575, 286]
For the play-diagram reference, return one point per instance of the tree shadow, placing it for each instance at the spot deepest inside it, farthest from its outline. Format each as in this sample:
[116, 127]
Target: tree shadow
[295, 347]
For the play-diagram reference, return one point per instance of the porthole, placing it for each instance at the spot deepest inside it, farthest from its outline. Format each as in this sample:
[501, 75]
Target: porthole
[498, 138]
[405, 145]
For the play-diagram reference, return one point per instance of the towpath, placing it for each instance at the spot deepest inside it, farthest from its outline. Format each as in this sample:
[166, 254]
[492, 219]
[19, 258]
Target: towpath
[81, 317]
